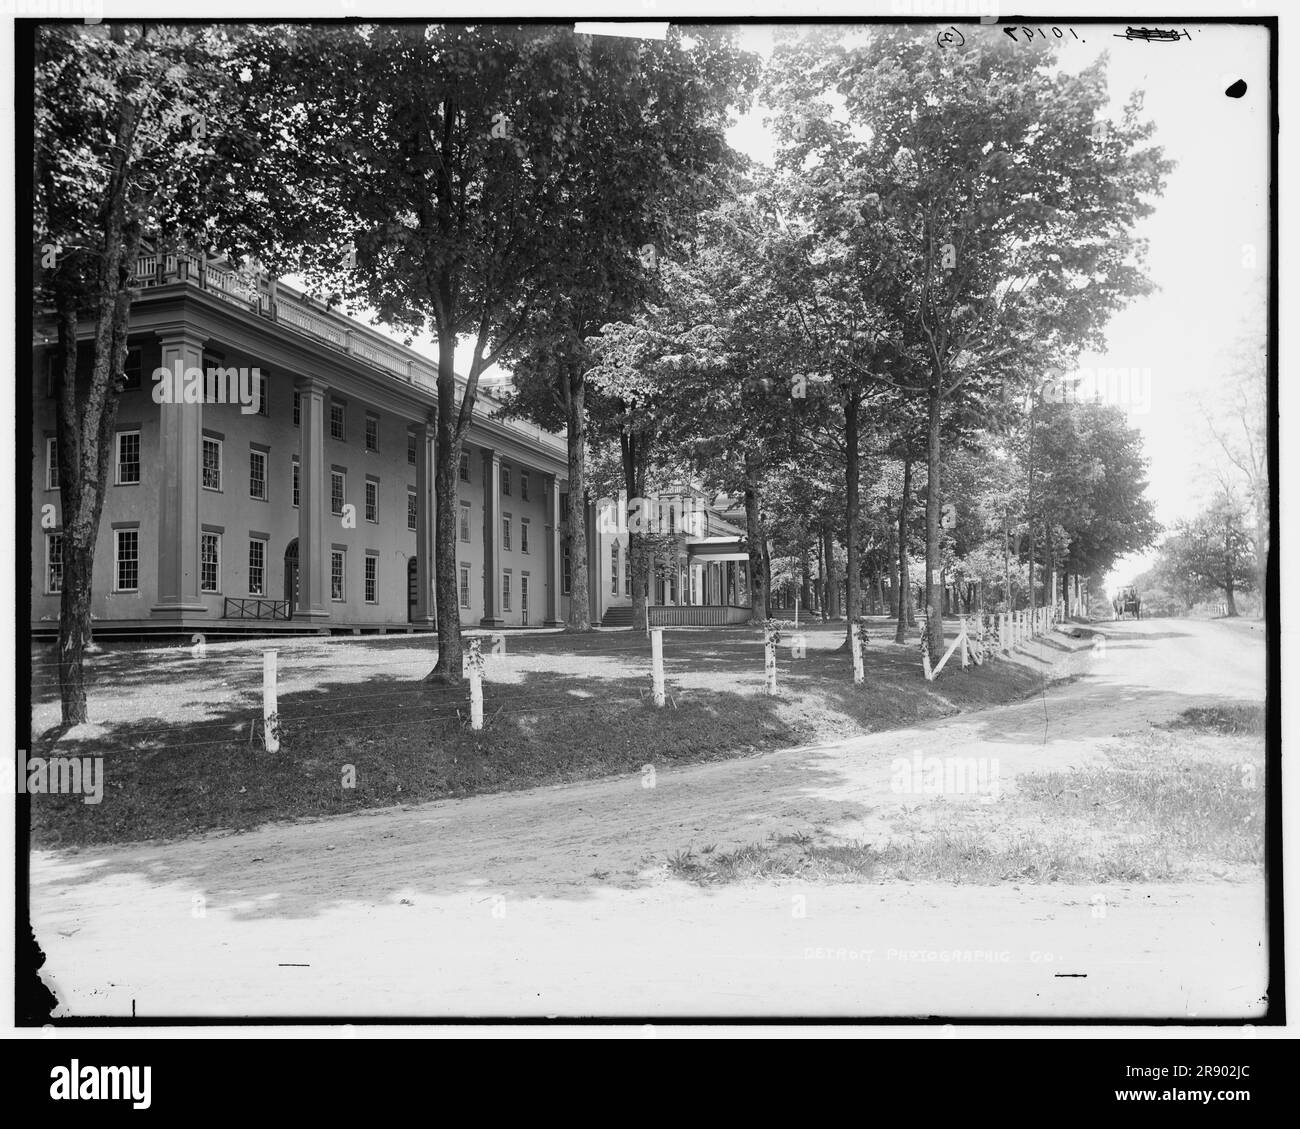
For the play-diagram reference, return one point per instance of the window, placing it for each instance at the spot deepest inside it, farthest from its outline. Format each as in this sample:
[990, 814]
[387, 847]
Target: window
[131, 368]
[336, 574]
[372, 500]
[256, 566]
[209, 562]
[566, 565]
[128, 457]
[411, 447]
[523, 535]
[126, 560]
[257, 474]
[464, 521]
[372, 433]
[505, 591]
[297, 409]
[613, 569]
[296, 469]
[505, 531]
[372, 578]
[464, 466]
[523, 486]
[338, 482]
[263, 394]
[54, 563]
[211, 464]
[51, 464]
[412, 508]
[464, 586]
[338, 424]
[505, 481]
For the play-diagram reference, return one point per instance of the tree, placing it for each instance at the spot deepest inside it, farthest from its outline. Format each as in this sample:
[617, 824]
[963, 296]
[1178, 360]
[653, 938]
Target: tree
[1237, 426]
[735, 419]
[140, 132]
[1092, 484]
[447, 166]
[635, 367]
[1000, 214]
[1214, 549]
[655, 119]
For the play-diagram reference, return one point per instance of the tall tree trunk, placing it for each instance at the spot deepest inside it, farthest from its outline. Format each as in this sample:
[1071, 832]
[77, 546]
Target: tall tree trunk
[638, 561]
[758, 593]
[86, 417]
[575, 395]
[805, 588]
[933, 593]
[823, 577]
[832, 577]
[1006, 560]
[906, 617]
[450, 665]
[767, 565]
[853, 568]
[1029, 506]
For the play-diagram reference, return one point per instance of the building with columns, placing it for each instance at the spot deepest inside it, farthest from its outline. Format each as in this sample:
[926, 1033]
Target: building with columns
[316, 506]
[313, 506]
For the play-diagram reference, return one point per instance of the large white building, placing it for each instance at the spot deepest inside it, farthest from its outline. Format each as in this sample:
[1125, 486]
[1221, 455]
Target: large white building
[314, 507]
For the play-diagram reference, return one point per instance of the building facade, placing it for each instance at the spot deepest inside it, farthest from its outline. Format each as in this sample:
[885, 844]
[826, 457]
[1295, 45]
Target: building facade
[272, 468]
[313, 505]
[286, 480]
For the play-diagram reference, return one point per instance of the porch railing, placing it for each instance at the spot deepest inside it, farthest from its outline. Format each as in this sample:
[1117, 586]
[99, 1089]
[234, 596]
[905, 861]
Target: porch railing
[238, 607]
[696, 615]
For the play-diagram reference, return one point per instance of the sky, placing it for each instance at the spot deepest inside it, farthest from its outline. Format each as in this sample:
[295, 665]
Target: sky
[1209, 237]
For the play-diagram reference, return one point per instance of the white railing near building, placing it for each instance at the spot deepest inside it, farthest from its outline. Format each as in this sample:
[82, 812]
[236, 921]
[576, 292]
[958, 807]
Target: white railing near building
[696, 615]
[300, 317]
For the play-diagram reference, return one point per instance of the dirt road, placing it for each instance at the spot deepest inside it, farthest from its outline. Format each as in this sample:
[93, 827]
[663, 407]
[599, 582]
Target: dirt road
[556, 901]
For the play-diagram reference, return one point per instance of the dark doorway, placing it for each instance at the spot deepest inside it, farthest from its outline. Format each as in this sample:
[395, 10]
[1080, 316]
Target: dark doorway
[291, 576]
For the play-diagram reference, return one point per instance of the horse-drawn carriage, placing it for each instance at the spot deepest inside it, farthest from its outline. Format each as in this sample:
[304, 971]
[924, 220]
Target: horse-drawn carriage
[1127, 603]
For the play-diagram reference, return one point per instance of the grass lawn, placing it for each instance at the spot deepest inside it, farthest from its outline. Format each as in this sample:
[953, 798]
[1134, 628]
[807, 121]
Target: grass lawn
[1175, 803]
[360, 729]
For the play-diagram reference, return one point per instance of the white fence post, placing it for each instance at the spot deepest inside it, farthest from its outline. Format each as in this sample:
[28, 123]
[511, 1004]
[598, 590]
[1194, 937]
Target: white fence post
[859, 675]
[1004, 642]
[961, 626]
[474, 665]
[475, 699]
[657, 663]
[270, 710]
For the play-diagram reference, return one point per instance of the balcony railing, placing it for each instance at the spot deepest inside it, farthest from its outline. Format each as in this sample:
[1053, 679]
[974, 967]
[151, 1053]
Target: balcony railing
[259, 294]
[253, 608]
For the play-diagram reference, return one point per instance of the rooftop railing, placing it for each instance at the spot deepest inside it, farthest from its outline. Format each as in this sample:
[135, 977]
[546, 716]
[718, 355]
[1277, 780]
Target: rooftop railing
[260, 294]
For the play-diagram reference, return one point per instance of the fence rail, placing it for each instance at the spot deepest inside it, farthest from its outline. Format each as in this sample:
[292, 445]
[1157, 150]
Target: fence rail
[240, 608]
